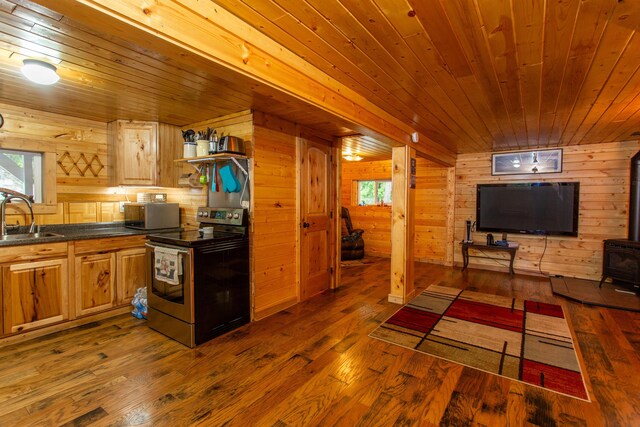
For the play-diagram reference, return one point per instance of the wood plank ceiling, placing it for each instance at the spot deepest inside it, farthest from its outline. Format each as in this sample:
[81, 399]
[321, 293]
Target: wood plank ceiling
[106, 77]
[484, 75]
[481, 75]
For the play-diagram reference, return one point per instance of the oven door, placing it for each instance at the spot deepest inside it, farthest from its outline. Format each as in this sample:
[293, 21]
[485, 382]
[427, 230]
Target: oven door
[174, 300]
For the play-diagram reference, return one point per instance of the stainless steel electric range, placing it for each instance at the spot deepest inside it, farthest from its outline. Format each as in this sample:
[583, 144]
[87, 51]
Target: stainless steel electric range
[198, 281]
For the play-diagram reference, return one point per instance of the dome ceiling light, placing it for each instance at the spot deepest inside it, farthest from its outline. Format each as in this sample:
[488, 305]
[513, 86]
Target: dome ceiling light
[40, 72]
[350, 156]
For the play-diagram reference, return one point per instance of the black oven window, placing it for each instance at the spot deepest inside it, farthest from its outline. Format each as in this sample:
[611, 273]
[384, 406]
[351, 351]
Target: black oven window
[167, 291]
[173, 293]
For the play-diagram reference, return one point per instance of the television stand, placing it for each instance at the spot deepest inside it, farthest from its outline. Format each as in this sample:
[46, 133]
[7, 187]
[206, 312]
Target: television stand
[511, 250]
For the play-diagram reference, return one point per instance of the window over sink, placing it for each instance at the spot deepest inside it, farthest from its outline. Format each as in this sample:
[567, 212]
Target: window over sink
[22, 171]
[28, 166]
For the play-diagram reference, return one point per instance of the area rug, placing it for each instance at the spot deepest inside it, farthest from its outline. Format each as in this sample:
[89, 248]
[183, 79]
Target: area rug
[527, 341]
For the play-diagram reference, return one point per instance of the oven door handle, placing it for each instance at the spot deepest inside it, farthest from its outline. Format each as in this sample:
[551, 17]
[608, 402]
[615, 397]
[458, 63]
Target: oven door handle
[156, 246]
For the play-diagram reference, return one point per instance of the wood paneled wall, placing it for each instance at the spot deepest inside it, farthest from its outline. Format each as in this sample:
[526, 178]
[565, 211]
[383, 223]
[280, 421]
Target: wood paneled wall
[433, 209]
[271, 145]
[84, 199]
[603, 173]
[374, 220]
[434, 212]
[83, 194]
[275, 232]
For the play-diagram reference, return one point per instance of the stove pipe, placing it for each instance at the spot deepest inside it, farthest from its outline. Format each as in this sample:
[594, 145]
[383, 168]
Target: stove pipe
[634, 199]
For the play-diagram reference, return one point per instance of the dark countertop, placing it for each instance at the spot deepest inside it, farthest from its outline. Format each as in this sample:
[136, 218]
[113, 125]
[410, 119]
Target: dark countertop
[69, 232]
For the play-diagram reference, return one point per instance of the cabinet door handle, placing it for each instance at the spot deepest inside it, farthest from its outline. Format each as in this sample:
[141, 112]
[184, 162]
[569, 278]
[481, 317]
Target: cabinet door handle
[306, 225]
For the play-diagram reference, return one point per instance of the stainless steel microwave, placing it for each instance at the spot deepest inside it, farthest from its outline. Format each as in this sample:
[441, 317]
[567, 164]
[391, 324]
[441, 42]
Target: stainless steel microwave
[151, 216]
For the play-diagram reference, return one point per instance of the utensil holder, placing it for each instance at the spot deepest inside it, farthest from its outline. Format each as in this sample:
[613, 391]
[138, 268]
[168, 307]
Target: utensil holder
[189, 150]
[202, 148]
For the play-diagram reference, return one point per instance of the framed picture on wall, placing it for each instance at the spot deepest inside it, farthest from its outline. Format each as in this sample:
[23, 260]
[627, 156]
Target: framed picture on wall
[527, 162]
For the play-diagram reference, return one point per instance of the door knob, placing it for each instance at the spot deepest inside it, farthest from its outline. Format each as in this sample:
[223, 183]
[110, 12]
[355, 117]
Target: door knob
[306, 225]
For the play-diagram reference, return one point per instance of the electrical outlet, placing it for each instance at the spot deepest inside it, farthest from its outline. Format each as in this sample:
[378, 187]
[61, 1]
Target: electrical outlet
[122, 206]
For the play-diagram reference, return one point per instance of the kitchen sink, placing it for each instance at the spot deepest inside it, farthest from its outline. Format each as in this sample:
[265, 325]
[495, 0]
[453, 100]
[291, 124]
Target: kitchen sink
[26, 236]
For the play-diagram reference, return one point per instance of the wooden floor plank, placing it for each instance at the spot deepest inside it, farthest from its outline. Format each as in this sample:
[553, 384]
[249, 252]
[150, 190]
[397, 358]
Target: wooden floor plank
[313, 364]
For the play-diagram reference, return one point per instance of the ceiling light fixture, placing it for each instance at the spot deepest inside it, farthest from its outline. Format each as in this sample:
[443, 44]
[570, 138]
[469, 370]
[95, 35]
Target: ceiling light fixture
[40, 72]
[352, 157]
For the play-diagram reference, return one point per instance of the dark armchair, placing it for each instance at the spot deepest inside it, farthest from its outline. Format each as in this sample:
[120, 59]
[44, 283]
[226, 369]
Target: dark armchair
[352, 242]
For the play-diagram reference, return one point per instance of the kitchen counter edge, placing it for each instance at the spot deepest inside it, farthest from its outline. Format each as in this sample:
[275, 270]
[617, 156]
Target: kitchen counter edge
[68, 233]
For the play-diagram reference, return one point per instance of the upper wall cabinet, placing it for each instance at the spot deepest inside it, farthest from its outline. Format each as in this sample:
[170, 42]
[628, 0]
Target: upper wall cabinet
[142, 153]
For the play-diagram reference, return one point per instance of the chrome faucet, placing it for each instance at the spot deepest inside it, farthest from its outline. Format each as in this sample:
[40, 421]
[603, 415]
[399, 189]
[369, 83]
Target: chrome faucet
[8, 196]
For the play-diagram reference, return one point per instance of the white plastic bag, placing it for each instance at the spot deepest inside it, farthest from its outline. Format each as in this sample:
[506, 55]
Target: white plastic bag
[139, 302]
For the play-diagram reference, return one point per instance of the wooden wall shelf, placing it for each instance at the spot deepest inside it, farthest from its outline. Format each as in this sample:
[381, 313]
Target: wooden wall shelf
[216, 157]
[212, 158]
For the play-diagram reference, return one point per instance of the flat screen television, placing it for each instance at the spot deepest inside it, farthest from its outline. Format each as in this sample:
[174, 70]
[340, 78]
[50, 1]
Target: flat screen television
[546, 208]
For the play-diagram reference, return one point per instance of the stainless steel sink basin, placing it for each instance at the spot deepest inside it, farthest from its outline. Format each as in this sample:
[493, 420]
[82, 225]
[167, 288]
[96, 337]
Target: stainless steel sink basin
[29, 236]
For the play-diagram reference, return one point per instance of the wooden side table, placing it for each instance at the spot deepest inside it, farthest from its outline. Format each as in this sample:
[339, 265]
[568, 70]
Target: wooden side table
[493, 248]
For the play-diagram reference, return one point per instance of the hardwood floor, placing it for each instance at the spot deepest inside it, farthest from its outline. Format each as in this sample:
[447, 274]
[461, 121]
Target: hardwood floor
[312, 365]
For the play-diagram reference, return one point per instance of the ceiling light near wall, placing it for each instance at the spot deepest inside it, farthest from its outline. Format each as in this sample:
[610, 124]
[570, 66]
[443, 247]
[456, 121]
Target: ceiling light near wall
[352, 157]
[40, 72]
[349, 155]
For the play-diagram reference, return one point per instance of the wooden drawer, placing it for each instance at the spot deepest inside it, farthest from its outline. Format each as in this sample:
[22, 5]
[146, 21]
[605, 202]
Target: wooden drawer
[108, 244]
[32, 252]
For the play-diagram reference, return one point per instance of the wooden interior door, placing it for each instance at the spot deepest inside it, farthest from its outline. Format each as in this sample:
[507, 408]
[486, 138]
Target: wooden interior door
[315, 189]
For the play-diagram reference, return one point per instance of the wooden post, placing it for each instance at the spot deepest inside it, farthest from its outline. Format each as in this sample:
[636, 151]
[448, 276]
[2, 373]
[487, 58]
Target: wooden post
[336, 185]
[451, 194]
[402, 227]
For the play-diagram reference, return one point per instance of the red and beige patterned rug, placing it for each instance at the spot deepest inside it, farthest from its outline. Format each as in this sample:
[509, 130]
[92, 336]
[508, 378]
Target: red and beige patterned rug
[526, 340]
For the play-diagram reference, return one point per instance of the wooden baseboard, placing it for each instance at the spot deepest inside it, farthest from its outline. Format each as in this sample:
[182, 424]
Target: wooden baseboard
[273, 309]
[396, 299]
[46, 330]
[503, 269]
[433, 261]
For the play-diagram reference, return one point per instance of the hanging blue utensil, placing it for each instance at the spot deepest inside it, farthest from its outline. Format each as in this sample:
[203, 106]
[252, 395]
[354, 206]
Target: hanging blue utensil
[230, 183]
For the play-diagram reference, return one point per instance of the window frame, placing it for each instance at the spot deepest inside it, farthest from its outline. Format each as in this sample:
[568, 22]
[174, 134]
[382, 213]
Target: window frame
[49, 161]
[375, 191]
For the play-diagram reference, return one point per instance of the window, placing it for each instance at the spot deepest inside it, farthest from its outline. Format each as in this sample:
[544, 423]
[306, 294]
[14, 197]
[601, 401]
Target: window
[372, 193]
[29, 166]
[22, 171]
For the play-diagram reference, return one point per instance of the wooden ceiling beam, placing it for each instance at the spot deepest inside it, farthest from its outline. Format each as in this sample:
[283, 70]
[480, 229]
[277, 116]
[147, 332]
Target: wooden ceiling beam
[213, 33]
[342, 57]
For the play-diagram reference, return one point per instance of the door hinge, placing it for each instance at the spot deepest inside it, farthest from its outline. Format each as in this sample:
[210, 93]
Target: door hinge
[331, 215]
[330, 270]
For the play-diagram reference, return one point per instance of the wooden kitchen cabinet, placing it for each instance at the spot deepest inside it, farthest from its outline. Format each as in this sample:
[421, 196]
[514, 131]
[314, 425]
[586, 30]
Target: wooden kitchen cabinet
[131, 269]
[142, 153]
[46, 286]
[95, 283]
[107, 272]
[132, 152]
[34, 294]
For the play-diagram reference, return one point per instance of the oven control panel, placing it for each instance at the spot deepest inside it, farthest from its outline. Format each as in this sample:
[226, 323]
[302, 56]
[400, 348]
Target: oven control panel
[229, 216]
